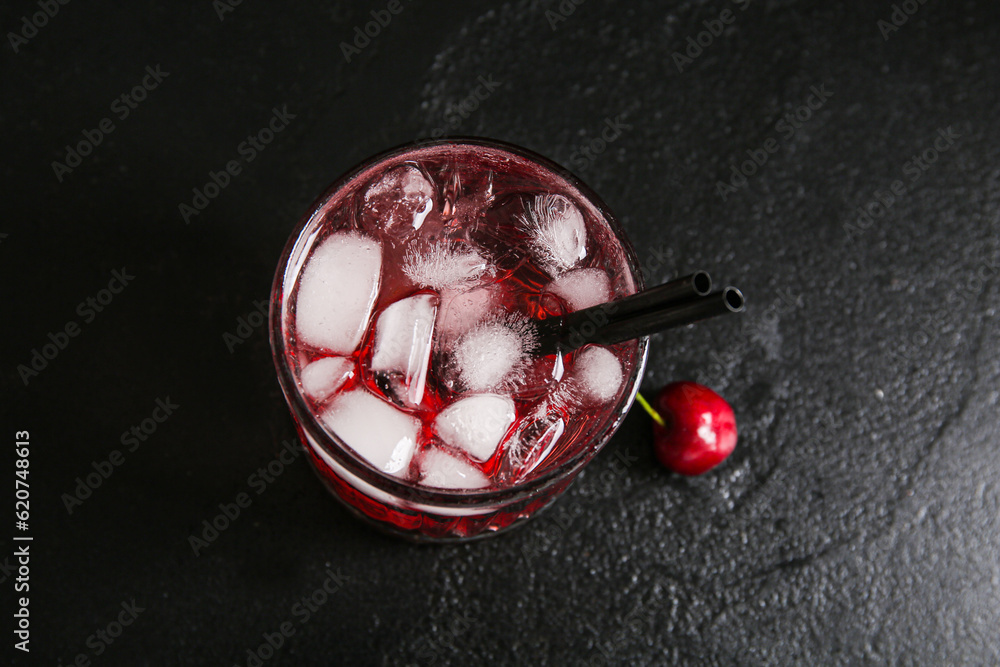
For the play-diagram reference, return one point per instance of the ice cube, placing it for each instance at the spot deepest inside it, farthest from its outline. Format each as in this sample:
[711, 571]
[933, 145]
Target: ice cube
[444, 471]
[442, 265]
[403, 336]
[325, 376]
[337, 290]
[398, 201]
[383, 435]
[534, 440]
[557, 233]
[541, 439]
[582, 288]
[597, 374]
[463, 309]
[500, 234]
[490, 352]
[476, 424]
[542, 376]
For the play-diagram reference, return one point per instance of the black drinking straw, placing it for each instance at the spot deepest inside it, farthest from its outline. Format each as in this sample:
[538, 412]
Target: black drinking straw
[697, 284]
[636, 316]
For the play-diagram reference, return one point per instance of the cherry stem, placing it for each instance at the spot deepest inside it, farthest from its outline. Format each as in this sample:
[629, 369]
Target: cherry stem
[649, 409]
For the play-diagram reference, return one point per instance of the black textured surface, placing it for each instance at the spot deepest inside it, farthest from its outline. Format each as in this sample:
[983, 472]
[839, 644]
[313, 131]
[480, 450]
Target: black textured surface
[856, 523]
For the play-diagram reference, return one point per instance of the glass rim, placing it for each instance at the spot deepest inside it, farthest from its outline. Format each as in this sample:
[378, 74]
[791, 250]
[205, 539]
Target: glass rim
[343, 454]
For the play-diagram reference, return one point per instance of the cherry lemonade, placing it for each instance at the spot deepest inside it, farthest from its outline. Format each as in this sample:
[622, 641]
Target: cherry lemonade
[404, 322]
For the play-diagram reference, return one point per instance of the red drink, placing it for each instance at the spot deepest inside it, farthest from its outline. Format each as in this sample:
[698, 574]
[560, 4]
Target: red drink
[403, 323]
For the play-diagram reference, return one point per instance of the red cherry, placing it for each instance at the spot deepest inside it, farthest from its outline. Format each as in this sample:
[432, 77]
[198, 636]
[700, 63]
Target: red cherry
[699, 429]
